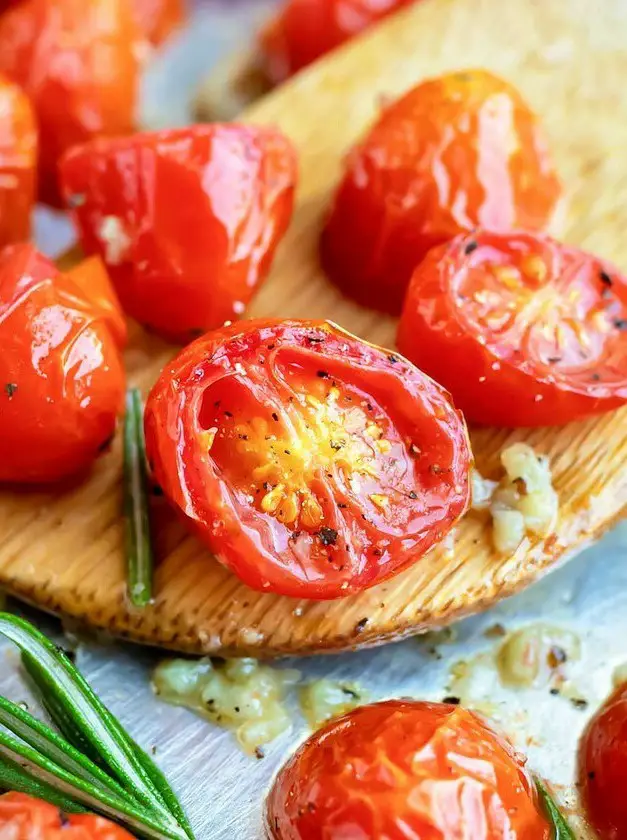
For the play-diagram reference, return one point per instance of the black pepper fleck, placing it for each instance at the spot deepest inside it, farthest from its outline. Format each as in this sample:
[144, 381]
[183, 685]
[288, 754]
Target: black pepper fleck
[605, 278]
[260, 753]
[275, 417]
[327, 536]
[393, 359]
[452, 701]
[361, 625]
[579, 702]
[413, 495]
[620, 324]
[322, 374]
[9, 389]
[471, 246]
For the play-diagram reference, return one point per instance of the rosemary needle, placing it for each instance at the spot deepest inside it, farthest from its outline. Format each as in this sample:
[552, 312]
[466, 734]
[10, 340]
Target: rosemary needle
[561, 829]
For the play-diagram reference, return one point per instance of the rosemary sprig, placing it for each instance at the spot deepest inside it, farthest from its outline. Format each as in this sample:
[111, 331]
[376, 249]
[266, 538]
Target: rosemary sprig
[139, 557]
[561, 829]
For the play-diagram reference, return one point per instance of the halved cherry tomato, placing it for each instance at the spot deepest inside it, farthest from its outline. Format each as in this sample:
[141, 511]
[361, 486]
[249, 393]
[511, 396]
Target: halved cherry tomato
[24, 818]
[61, 373]
[158, 19]
[187, 220]
[402, 769]
[603, 767]
[313, 464]
[522, 330]
[18, 163]
[79, 63]
[305, 30]
[455, 152]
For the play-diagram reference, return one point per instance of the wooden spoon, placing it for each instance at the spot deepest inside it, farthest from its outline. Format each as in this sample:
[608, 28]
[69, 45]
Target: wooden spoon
[63, 551]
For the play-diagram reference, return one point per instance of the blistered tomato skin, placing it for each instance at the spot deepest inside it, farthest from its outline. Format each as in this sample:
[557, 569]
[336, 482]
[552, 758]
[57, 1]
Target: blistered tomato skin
[312, 464]
[18, 163]
[158, 19]
[603, 768]
[456, 152]
[61, 372]
[24, 818]
[187, 220]
[305, 30]
[522, 330]
[79, 63]
[402, 769]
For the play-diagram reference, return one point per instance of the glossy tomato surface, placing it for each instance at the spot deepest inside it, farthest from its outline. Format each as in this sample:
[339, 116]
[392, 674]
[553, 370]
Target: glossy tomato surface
[523, 331]
[24, 818]
[455, 152]
[187, 220]
[603, 767]
[402, 769]
[305, 30]
[61, 373]
[158, 19]
[312, 464]
[79, 63]
[18, 163]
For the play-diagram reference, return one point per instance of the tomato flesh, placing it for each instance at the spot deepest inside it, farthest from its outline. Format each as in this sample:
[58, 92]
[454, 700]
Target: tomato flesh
[523, 331]
[18, 162]
[402, 769]
[456, 152]
[312, 464]
[24, 818]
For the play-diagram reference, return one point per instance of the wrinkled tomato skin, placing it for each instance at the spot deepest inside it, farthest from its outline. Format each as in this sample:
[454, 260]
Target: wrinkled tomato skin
[401, 769]
[199, 213]
[456, 152]
[603, 767]
[158, 19]
[557, 347]
[24, 818]
[305, 30]
[312, 464]
[18, 163]
[79, 63]
[61, 372]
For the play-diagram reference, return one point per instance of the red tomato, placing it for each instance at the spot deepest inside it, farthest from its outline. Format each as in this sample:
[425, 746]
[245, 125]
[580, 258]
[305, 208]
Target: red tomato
[158, 19]
[313, 464]
[402, 769]
[24, 818]
[61, 373]
[305, 30]
[453, 153]
[18, 163]
[187, 220]
[522, 330]
[79, 63]
[603, 767]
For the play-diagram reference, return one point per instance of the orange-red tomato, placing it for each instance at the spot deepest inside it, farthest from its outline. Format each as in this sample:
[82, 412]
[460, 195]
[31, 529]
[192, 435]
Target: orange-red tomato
[522, 330]
[61, 373]
[187, 220]
[305, 30]
[158, 19]
[24, 818]
[455, 152]
[79, 63]
[402, 769]
[603, 767]
[18, 163]
[313, 464]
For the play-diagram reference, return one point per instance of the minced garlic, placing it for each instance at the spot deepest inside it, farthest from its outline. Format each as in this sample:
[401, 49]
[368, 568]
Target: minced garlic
[533, 653]
[323, 700]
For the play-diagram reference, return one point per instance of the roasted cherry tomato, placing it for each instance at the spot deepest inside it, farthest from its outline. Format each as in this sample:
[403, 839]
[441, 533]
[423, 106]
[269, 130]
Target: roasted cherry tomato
[61, 373]
[453, 153]
[305, 30]
[24, 818]
[187, 220]
[402, 769]
[603, 767]
[79, 63]
[522, 330]
[18, 163]
[313, 464]
[158, 19]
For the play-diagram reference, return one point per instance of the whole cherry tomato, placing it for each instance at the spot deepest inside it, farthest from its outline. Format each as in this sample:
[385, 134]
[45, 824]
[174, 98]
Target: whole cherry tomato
[79, 63]
[187, 220]
[158, 19]
[312, 464]
[603, 767]
[402, 769]
[305, 30]
[522, 330]
[18, 163]
[61, 373]
[455, 152]
[24, 818]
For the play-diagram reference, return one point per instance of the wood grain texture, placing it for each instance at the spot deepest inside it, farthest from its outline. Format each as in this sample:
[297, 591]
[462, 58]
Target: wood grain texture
[64, 551]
